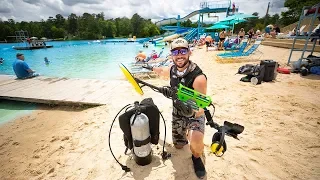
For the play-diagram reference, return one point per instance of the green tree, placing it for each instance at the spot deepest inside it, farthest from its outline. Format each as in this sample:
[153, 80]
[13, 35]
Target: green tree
[294, 10]
[136, 22]
[60, 21]
[57, 32]
[72, 24]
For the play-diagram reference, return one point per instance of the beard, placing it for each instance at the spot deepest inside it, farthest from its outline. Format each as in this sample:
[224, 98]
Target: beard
[179, 64]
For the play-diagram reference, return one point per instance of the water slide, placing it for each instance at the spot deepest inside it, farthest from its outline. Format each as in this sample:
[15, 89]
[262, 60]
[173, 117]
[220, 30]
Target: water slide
[218, 8]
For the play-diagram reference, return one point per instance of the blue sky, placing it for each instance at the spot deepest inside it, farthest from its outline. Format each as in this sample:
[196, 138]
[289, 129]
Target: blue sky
[35, 10]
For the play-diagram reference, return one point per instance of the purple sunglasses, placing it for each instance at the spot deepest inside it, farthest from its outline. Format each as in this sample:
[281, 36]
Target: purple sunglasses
[182, 51]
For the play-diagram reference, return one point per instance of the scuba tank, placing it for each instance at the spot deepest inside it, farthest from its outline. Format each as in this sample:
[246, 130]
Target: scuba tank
[141, 139]
[140, 126]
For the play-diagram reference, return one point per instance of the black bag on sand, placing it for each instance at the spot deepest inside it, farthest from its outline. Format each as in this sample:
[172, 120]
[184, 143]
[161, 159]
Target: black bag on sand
[250, 70]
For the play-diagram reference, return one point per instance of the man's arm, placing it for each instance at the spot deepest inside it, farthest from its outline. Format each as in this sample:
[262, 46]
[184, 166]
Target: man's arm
[200, 85]
[162, 71]
[26, 67]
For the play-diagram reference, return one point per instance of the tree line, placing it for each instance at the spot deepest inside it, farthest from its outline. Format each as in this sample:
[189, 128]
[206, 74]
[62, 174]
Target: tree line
[87, 26]
[291, 15]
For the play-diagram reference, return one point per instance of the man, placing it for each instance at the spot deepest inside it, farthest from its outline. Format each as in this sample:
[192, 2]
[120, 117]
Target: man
[222, 37]
[208, 40]
[186, 126]
[21, 68]
[141, 56]
[277, 29]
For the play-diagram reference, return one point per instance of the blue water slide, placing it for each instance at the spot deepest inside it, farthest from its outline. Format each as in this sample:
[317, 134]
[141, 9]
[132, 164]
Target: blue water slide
[193, 33]
[209, 8]
[144, 40]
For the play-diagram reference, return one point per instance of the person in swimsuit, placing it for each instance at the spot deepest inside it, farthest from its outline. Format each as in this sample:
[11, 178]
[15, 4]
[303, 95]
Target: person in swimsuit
[222, 37]
[251, 33]
[241, 34]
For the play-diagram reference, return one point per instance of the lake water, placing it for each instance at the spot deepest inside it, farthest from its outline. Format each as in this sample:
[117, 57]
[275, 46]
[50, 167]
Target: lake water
[74, 59]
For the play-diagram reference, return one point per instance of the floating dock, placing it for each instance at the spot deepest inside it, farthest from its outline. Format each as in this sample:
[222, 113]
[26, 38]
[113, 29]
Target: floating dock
[67, 91]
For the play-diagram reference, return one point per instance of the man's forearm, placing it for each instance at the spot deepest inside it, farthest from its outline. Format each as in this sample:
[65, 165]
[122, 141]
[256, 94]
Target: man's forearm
[157, 70]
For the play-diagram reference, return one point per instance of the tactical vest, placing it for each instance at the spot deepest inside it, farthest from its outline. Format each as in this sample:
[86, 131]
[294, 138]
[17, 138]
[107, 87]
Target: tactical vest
[186, 80]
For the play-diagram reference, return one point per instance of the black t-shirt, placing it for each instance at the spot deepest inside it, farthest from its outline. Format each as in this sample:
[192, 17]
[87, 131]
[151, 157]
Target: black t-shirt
[277, 30]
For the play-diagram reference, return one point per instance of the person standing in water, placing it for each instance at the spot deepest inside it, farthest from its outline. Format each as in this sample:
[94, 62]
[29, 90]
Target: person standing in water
[46, 61]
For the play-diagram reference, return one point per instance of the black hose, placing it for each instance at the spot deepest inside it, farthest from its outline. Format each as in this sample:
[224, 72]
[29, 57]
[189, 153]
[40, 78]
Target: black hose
[165, 155]
[125, 168]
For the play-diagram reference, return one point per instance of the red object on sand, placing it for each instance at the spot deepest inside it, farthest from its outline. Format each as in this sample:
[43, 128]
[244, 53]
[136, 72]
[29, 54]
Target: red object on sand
[283, 70]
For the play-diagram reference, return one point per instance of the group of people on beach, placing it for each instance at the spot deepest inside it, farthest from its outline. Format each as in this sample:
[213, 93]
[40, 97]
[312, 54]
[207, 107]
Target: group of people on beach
[223, 35]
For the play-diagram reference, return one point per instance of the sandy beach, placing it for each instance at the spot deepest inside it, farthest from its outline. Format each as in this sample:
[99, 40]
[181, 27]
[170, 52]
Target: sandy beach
[280, 140]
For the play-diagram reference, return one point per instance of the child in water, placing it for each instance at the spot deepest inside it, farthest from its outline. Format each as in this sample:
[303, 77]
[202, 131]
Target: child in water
[46, 61]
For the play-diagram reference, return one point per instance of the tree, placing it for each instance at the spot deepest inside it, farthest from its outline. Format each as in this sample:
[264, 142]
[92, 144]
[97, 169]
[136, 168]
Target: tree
[73, 24]
[294, 10]
[136, 22]
[59, 21]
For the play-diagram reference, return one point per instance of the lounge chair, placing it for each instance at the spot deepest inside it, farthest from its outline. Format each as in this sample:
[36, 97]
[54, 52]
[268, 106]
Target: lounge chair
[241, 49]
[247, 53]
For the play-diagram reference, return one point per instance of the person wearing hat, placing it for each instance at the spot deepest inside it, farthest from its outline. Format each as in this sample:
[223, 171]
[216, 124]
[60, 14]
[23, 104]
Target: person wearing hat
[21, 68]
[187, 126]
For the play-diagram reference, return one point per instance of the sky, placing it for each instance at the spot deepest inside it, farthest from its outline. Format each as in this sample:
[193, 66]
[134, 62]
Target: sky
[35, 10]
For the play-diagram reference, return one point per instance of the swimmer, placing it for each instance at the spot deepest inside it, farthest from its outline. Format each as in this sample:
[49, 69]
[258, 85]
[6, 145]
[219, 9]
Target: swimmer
[46, 60]
[1, 61]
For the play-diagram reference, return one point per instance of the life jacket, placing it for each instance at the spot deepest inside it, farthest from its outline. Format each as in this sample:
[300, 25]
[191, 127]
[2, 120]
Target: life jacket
[187, 78]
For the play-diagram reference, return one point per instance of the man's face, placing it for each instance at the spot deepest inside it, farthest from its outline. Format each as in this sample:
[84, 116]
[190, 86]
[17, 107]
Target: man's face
[180, 56]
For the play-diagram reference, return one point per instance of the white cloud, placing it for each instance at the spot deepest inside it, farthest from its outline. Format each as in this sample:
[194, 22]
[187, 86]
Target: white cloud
[35, 10]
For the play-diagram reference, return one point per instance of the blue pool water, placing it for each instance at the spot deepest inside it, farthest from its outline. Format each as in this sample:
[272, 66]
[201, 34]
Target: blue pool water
[73, 59]
[77, 59]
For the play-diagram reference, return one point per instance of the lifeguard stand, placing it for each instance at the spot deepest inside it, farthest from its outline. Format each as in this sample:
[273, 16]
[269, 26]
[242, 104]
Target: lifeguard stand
[307, 12]
[22, 36]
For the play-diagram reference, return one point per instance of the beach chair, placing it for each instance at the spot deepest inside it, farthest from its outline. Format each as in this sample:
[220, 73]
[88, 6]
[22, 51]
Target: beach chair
[160, 53]
[253, 48]
[241, 49]
[313, 31]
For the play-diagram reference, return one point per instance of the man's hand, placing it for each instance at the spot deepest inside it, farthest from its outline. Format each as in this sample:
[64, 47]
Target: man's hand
[147, 66]
[167, 91]
[183, 109]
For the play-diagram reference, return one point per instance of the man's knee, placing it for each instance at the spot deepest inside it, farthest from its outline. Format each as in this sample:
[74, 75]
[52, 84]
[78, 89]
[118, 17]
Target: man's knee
[196, 142]
[196, 137]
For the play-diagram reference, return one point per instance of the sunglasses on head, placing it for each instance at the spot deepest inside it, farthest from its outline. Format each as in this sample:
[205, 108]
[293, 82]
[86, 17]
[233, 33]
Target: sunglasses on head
[182, 51]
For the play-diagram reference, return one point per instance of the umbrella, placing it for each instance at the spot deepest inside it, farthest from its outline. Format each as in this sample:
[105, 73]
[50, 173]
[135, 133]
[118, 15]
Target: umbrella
[218, 26]
[230, 22]
[238, 17]
[270, 26]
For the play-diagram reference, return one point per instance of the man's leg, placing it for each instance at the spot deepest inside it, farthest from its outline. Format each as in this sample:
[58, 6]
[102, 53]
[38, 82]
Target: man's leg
[179, 128]
[195, 137]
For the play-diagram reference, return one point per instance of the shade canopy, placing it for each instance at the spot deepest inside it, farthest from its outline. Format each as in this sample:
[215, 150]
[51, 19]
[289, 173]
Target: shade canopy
[239, 16]
[230, 22]
[218, 26]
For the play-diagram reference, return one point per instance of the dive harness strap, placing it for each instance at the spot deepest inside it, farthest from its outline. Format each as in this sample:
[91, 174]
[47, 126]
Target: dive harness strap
[138, 143]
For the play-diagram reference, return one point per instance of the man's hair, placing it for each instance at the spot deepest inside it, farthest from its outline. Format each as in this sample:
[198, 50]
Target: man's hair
[19, 54]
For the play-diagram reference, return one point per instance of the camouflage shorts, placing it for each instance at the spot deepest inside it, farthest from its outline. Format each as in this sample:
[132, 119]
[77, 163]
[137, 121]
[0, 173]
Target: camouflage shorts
[180, 125]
